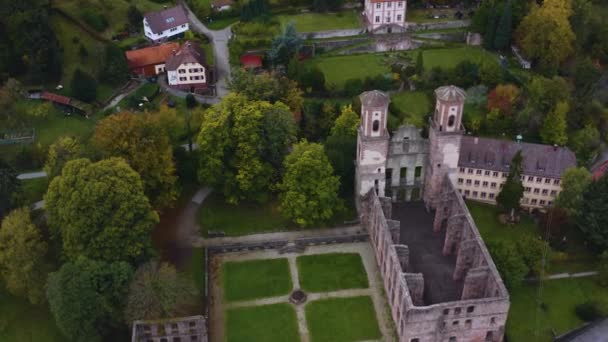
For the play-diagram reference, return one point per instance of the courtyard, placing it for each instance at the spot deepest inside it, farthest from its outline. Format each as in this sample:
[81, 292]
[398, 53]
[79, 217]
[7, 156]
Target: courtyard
[253, 296]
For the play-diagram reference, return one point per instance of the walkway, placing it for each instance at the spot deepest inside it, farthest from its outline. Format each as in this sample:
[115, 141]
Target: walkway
[130, 88]
[31, 175]
[189, 233]
[375, 289]
[565, 275]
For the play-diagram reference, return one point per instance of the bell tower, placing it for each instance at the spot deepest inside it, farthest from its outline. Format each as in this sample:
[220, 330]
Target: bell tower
[372, 143]
[445, 133]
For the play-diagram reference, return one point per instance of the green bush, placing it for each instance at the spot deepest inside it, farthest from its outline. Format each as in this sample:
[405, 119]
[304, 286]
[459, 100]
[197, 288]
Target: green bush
[590, 311]
[97, 21]
[84, 87]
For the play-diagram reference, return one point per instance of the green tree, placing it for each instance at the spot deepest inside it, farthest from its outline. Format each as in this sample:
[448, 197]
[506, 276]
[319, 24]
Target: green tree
[554, 126]
[309, 189]
[10, 188]
[347, 123]
[341, 148]
[135, 17]
[502, 37]
[593, 218]
[490, 73]
[115, 70]
[84, 87]
[60, 152]
[575, 181]
[509, 262]
[584, 142]
[532, 250]
[545, 34]
[285, 46]
[157, 291]
[85, 297]
[118, 220]
[512, 190]
[22, 256]
[241, 143]
[419, 63]
[145, 145]
[545, 93]
[490, 32]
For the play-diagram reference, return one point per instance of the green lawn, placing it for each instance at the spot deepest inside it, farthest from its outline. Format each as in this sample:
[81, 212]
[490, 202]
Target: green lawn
[339, 69]
[220, 24]
[34, 189]
[342, 320]
[490, 228]
[196, 268]
[242, 219]
[413, 106]
[560, 297]
[331, 272]
[313, 22]
[21, 321]
[422, 15]
[267, 323]
[449, 57]
[245, 280]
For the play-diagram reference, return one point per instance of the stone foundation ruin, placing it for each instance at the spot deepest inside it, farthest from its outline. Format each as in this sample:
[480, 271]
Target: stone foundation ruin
[443, 286]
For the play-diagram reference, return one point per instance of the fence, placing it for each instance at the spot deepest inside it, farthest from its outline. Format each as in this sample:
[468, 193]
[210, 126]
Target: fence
[18, 137]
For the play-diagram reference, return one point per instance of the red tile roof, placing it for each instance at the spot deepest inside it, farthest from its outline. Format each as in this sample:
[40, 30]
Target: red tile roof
[599, 170]
[151, 55]
[189, 53]
[56, 98]
[251, 61]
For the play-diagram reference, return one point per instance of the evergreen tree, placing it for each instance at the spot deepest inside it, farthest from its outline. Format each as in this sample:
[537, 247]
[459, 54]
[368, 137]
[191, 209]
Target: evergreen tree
[512, 190]
[593, 220]
[502, 36]
[489, 35]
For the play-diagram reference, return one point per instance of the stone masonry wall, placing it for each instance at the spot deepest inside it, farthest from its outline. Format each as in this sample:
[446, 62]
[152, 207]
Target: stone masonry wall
[481, 313]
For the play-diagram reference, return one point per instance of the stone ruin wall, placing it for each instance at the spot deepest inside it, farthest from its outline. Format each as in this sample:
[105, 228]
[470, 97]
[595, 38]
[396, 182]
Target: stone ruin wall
[481, 313]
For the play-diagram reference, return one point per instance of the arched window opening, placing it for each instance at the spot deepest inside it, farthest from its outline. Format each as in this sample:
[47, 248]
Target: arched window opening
[451, 120]
[376, 126]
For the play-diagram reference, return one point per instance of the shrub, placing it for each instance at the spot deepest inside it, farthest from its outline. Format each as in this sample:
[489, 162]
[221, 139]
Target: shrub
[97, 21]
[84, 87]
[590, 311]
[190, 101]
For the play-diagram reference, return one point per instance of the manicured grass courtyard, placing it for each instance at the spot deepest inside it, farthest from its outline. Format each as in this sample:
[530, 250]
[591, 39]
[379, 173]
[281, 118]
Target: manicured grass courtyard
[560, 298]
[331, 272]
[252, 279]
[339, 69]
[490, 228]
[267, 323]
[313, 22]
[21, 321]
[342, 320]
[242, 219]
[450, 57]
[413, 106]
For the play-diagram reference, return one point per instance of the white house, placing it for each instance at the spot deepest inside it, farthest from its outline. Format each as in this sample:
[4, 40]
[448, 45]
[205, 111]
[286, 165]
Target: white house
[385, 15]
[222, 5]
[187, 69]
[166, 23]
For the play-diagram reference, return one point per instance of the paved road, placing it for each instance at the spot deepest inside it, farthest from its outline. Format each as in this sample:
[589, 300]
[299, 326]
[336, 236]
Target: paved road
[128, 91]
[32, 175]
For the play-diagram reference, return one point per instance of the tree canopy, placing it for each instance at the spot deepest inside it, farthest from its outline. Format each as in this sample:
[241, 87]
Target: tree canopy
[575, 181]
[86, 296]
[10, 188]
[60, 152]
[242, 144]
[554, 128]
[143, 142]
[22, 256]
[100, 211]
[593, 218]
[512, 190]
[309, 190]
[285, 46]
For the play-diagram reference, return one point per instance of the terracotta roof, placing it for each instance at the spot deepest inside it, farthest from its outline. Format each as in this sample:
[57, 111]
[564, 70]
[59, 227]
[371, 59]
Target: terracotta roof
[450, 93]
[189, 53]
[222, 3]
[166, 19]
[374, 98]
[251, 61]
[496, 155]
[151, 55]
[56, 98]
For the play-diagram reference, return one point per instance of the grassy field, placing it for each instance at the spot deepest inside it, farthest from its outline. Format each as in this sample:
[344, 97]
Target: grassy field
[560, 298]
[422, 15]
[22, 321]
[449, 57]
[254, 279]
[342, 320]
[339, 69]
[34, 189]
[413, 106]
[268, 323]
[313, 22]
[221, 24]
[242, 219]
[331, 272]
[490, 228]
[196, 268]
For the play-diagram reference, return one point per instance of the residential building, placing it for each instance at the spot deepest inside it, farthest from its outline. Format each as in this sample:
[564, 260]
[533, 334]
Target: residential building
[150, 61]
[187, 69]
[222, 5]
[385, 16]
[165, 24]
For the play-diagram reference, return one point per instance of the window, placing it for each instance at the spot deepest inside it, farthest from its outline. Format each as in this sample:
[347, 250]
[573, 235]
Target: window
[491, 196]
[484, 184]
[493, 185]
[486, 173]
[451, 119]
[398, 17]
[468, 323]
[539, 179]
[446, 311]
[457, 311]
[530, 179]
[376, 125]
[474, 193]
[184, 25]
[470, 309]
[173, 29]
[493, 320]
[403, 173]
[378, 5]
[483, 195]
[460, 180]
[536, 191]
[415, 340]
[476, 183]
[191, 78]
[377, 18]
[504, 175]
[418, 171]
[549, 203]
[400, 4]
[545, 192]
[478, 172]
[547, 180]
[470, 171]
[389, 4]
[525, 200]
[494, 174]
[533, 201]
[183, 78]
[468, 182]
[527, 189]
[455, 322]
[452, 339]
[462, 169]
[181, 71]
[553, 192]
[388, 19]
[542, 202]
[556, 182]
[467, 192]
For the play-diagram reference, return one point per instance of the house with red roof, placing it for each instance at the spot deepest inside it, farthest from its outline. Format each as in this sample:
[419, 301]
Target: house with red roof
[150, 61]
[187, 69]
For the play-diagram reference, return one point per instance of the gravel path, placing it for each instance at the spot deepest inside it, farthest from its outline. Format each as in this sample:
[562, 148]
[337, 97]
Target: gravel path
[31, 175]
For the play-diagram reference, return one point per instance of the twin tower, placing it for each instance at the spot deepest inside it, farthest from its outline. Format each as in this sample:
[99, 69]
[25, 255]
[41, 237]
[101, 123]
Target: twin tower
[376, 149]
